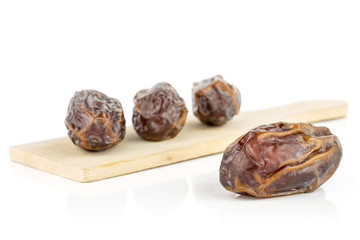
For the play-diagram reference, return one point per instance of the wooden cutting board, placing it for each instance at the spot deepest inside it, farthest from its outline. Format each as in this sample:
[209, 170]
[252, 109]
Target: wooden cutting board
[61, 157]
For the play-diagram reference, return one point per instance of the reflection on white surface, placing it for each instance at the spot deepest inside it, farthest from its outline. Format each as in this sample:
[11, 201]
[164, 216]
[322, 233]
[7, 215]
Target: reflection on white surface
[174, 190]
[163, 198]
[307, 206]
[104, 206]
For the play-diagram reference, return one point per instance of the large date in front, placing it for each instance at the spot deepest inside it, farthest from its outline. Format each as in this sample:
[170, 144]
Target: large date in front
[280, 159]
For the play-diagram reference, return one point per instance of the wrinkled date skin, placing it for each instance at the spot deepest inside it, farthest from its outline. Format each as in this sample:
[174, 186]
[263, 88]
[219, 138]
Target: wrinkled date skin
[94, 121]
[280, 159]
[159, 113]
[215, 101]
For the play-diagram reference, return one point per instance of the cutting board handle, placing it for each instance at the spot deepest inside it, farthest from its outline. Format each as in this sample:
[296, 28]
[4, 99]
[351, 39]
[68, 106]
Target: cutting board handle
[309, 111]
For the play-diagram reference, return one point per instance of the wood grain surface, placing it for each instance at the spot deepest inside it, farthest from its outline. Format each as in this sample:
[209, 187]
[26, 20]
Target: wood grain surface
[61, 157]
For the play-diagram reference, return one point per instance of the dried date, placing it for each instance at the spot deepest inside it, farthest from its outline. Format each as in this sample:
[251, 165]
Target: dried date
[280, 159]
[159, 113]
[95, 121]
[215, 101]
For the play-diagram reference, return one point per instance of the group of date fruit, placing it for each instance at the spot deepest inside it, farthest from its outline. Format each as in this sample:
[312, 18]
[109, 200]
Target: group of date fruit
[271, 160]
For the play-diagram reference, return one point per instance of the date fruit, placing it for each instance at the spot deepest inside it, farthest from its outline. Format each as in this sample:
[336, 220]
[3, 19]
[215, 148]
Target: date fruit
[95, 121]
[215, 101]
[159, 113]
[280, 159]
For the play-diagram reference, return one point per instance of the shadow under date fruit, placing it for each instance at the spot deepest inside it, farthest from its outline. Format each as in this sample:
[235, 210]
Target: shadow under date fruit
[280, 159]
[159, 113]
[215, 101]
[95, 121]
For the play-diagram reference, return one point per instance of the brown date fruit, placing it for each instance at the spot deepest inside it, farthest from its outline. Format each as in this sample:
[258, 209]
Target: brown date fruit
[95, 121]
[215, 101]
[280, 159]
[159, 113]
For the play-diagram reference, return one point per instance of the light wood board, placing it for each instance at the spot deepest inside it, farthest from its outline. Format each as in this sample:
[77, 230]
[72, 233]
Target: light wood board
[61, 157]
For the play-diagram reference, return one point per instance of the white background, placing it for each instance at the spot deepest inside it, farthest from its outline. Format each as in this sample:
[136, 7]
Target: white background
[275, 52]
